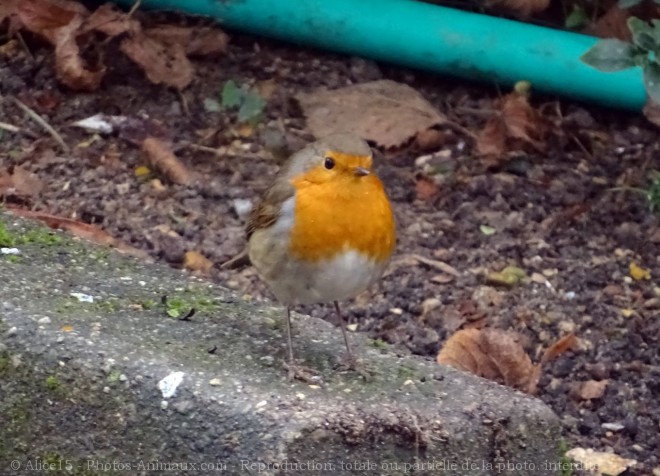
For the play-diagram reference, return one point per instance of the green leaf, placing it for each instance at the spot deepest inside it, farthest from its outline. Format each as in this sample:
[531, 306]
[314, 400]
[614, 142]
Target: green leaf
[652, 81]
[252, 107]
[643, 35]
[576, 19]
[628, 3]
[173, 312]
[487, 230]
[232, 95]
[610, 55]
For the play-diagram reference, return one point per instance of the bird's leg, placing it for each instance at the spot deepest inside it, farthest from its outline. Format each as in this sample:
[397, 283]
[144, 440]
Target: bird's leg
[296, 371]
[349, 354]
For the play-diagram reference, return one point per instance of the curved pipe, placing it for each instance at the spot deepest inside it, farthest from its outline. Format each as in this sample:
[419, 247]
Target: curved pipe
[430, 37]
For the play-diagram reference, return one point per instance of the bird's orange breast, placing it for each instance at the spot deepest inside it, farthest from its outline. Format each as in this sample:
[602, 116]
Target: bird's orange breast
[349, 214]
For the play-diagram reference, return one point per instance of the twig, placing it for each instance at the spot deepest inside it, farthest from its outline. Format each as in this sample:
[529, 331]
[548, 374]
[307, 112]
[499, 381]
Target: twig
[42, 122]
[21, 40]
[184, 104]
[135, 6]
[9, 127]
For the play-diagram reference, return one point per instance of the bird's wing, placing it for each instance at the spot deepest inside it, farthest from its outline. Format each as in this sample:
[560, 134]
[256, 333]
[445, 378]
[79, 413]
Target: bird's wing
[265, 214]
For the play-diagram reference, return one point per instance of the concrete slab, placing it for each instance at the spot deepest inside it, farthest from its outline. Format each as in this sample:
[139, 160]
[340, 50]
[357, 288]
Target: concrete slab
[83, 385]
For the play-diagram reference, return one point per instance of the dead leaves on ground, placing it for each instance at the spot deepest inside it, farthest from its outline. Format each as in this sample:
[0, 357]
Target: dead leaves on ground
[20, 184]
[498, 355]
[515, 126]
[385, 112]
[162, 52]
[160, 156]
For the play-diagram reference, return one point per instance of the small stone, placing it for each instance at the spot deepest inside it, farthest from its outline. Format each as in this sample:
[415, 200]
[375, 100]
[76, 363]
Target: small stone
[106, 389]
[44, 320]
[242, 207]
[300, 396]
[164, 404]
[215, 382]
[566, 327]
[184, 406]
[267, 359]
[612, 426]
[261, 404]
[123, 378]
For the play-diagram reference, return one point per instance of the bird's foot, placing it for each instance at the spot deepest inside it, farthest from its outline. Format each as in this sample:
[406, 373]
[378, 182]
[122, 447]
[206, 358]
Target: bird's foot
[304, 374]
[350, 362]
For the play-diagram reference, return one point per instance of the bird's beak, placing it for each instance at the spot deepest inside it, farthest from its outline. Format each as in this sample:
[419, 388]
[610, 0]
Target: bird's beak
[361, 171]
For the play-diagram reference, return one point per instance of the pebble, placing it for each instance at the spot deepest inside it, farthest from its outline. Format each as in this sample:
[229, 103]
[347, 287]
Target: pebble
[215, 382]
[44, 320]
[612, 426]
[12, 331]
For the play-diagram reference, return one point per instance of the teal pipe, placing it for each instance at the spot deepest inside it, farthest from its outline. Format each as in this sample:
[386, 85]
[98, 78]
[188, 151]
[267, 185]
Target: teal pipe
[430, 37]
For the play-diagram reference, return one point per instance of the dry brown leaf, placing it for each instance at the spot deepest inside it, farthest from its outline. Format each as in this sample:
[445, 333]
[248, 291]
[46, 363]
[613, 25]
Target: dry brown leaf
[600, 463]
[519, 8]
[195, 261]
[592, 389]
[652, 112]
[18, 182]
[612, 24]
[80, 229]
[516, 126]
[45, 17]
[160, 52]
[195, 41]
[111, 21]
[492, 354]
[160, 157]
[8, 8]
[163, 64]
[560, 346]
[491, 141]
[385, 112]
[70, 67]
[426, 188]
[59, 22]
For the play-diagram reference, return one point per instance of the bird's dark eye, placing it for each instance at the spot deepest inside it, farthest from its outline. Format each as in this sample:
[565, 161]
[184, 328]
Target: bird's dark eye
[329, 163]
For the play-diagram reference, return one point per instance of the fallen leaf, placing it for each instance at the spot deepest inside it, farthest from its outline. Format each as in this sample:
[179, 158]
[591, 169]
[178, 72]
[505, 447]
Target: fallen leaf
[66, 328]
[442, 279]
[509, 276]
[385, 112]
[638, 273]
[592, 389]
[195, 41]
[426, 188]
[600, 463]
[195, 261]
[519, 8]
[81, 230]
[59, 21]
[8, 8]
[516, 126]
[160, 51]
[560, 346]
[142, 171]
[487, 230]
[17, 182]
[492, 354]
[163, 64]
[430, 139]
[159, 156]
[612, 24]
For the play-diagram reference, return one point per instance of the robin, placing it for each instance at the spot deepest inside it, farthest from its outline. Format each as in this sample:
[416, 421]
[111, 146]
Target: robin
[323, 231]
